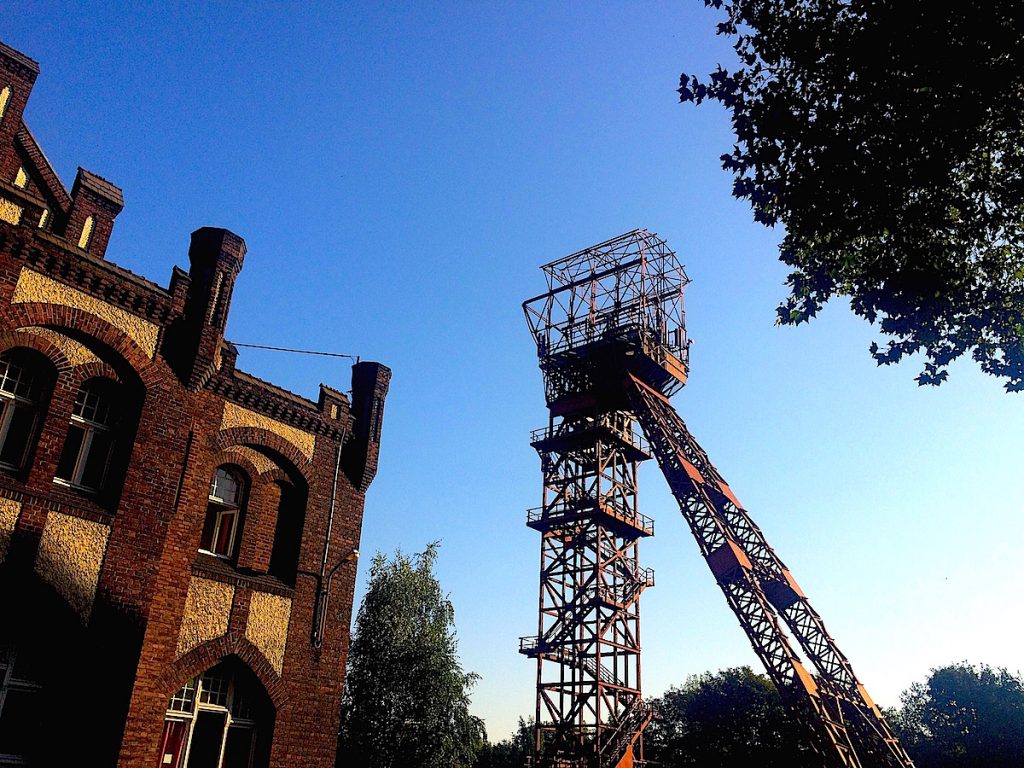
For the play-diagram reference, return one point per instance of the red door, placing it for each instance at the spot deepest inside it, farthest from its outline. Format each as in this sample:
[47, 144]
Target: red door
[172, 745]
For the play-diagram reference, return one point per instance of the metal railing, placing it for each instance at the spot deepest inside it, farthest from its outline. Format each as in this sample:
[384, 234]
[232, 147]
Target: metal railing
[628, 327]
[565, 510]
[623, 427]
[629, 727]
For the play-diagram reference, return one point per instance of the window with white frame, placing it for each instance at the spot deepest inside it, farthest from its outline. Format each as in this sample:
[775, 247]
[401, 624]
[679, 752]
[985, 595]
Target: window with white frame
[223, 513]
[213, 722]
[20, 393]
[21, 706]
[85, 460]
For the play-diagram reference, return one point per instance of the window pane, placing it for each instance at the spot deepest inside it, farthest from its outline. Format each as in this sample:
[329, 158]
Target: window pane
[241, 707]
[18, 434]
[92, 406]
[29, 663]
[69, 456]
[224, 532]
[239, 747]
[214, 690]
[21, 722]
[207, 739]
[209, 527]
[95, 468]
[224, 487]
[14, 379]
[185, 699]
[172, 746]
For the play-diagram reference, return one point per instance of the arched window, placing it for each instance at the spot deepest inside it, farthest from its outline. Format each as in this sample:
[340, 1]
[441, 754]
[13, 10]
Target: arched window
[223, 513]
[83, 241]
[86, 456]
[5, 96]
[22, 382]
[221, 719]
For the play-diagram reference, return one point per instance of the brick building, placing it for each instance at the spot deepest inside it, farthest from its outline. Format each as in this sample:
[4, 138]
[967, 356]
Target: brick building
[176, 536]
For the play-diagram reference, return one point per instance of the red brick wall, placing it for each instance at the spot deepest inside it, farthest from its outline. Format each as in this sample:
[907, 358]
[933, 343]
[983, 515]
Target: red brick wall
[125, 659]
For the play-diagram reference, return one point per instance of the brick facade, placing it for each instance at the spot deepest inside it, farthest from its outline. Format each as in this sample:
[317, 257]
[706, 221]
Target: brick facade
[107, 584]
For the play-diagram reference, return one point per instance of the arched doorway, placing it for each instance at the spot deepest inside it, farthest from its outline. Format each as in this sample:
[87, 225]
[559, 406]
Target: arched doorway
[222, 718]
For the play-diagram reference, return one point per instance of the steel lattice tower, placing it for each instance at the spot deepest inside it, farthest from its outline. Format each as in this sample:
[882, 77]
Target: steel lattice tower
[590, 710]
[612, 345]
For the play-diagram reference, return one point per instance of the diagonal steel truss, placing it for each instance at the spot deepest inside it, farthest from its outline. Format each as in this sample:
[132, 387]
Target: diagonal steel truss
[845, 726]
[611, 340]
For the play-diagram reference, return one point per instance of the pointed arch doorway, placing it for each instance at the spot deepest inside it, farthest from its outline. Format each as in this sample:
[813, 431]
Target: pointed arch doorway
[222, 718]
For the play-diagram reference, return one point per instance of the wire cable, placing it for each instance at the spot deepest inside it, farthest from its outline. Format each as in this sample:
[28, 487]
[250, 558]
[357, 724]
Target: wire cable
[296, 351]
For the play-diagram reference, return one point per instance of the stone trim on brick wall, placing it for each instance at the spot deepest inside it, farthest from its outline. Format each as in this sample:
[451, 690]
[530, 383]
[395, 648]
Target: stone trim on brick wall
[37, 288]
[237, 416]
[211, 653]
[69, 559]
[75, 351]
[207, 611]
[9, 511]
[267, 626]
[259, 461]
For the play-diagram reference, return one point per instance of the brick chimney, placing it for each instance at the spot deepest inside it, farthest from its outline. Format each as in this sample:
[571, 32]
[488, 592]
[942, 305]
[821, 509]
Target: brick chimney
[95, 202]
[370, 382]
[215, 258]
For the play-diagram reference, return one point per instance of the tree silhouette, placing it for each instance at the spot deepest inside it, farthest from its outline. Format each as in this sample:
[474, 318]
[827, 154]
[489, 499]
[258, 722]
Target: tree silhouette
[511, 752]
[724, 719]
[964, 716]
[887, 136]
[406, 700]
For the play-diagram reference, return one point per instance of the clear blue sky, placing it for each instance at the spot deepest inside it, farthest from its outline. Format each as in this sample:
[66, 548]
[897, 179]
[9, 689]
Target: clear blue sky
[400, 172]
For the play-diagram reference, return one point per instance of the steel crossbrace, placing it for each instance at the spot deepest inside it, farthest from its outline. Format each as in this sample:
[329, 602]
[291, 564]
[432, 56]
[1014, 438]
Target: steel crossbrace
[761, 591]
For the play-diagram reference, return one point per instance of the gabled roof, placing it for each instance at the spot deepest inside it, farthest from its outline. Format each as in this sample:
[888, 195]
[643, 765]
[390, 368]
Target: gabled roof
[100, 186]
[43, 168]
[21, 58]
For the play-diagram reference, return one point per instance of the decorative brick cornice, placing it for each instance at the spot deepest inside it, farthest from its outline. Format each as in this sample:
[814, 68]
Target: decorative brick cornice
[270, 402]
[28, 66]
[206, 567]
[107, 282]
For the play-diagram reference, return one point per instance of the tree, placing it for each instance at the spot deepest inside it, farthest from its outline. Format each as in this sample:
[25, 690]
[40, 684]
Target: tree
[406, 700]
[729, 718]
[511, 752]
[887, 136]
[964, 716]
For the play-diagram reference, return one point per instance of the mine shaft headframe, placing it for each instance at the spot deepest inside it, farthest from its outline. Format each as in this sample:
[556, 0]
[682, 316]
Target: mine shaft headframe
[617, 304]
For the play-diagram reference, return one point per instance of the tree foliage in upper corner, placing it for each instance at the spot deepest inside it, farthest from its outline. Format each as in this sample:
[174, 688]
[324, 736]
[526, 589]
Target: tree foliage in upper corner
[726, 718]
[964, 717]
[887, 136]
[406, 700]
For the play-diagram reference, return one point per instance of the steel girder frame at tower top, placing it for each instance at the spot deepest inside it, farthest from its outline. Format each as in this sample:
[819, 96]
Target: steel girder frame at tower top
[611, 339]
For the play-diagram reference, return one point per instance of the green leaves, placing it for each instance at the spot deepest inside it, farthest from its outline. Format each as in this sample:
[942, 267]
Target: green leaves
[406, 698]
[964, 716]
[730, 717]
[509, 753]
[887, 136]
